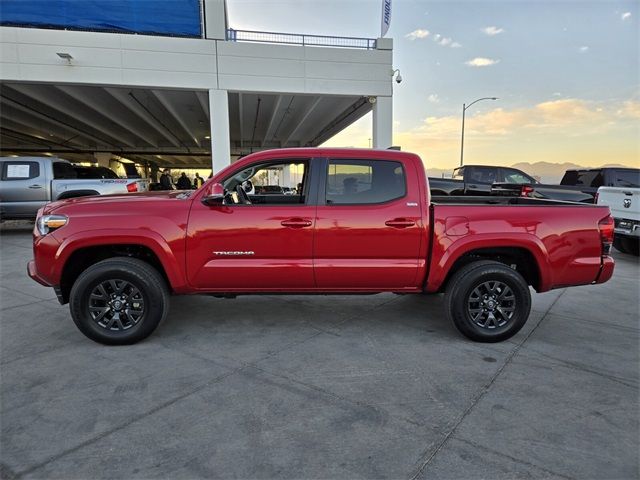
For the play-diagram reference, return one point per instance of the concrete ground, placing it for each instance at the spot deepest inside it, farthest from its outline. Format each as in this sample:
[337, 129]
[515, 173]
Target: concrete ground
[320, 387]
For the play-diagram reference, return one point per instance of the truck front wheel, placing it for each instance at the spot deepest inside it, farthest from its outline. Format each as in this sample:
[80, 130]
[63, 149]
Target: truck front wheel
[119, 301]
[488, 301]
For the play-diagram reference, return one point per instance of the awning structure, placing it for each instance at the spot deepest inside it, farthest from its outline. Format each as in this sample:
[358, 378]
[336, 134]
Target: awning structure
[166, 127]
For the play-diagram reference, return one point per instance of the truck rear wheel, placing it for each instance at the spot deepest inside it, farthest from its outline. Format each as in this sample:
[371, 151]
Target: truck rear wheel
[488, 301]
[119, 301]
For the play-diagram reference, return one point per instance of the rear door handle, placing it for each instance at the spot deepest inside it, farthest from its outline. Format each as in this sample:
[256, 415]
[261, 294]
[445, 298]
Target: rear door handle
[472, 186]
[35, 186]
[296, 222]
[400, 223]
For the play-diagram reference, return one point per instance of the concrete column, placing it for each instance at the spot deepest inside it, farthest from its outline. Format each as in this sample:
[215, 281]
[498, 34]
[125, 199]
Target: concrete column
[103, 159]
[220, 138]
[383, 122]
[215, 19]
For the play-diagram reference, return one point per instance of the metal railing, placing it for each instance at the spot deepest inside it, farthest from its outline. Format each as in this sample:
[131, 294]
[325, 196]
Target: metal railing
[300, 39]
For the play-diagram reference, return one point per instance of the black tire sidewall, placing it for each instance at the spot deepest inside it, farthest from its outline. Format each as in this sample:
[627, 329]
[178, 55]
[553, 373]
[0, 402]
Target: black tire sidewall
[463, 284]
[145, 279]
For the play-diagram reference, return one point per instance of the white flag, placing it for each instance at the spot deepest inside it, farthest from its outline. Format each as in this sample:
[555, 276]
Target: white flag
[386, 17]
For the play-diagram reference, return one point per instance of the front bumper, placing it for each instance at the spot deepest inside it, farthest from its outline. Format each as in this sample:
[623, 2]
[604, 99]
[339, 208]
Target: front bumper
[33, 273]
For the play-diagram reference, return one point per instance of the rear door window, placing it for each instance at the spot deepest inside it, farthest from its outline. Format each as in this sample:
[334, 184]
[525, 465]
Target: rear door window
[358, 182]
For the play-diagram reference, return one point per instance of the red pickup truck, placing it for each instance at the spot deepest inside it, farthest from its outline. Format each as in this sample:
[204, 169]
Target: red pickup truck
[356, 221]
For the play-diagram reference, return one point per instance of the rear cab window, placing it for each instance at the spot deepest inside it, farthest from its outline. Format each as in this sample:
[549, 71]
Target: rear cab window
[362, 182]
[627, 178]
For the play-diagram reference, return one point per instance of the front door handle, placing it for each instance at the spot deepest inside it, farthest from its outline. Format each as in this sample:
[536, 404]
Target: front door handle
[400, 223]
[35, 186]
[296, 222]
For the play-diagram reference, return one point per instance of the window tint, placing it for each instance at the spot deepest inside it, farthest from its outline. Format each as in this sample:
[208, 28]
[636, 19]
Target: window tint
[514, 176]
[587, 178]
[20, 170]
[627, 178]
[364, 181]
[94, 172]
[481, 175]
[63, 170]
[271, 183]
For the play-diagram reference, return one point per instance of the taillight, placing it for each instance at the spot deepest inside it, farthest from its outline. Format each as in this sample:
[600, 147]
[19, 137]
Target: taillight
[606, 226]
[526, 191]
[132, 187]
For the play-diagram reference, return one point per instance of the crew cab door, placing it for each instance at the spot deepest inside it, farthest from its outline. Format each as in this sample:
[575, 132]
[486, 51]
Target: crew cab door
[478, 180]
[23, 187]
[264, 245]
[368, 225]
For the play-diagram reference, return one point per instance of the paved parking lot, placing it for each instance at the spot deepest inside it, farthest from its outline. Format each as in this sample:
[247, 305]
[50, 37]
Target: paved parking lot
[320, 387]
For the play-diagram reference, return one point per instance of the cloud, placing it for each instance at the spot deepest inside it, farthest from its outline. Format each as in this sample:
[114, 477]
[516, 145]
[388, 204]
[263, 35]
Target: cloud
[492, 31]
[625, 16]
[584, 49]
[433, 98]
[419, 33]
[445, 41]
[481, 62]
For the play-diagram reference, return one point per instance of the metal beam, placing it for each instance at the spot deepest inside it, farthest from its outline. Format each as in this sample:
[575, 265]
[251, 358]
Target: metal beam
[167, 104]
[269, 132]
[89, 102]
[129, 102]
[54, 102]
[306, 114]
[32, 111]
[24, 124]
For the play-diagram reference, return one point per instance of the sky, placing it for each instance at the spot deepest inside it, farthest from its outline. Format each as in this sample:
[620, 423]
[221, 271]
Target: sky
[566, 74]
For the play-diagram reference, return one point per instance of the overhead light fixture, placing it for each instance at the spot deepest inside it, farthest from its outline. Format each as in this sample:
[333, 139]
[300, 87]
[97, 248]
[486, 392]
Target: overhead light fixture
[208, 137]
[65, 56]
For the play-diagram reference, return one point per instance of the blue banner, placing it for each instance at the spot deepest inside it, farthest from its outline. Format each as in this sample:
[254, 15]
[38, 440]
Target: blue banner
[153, 17]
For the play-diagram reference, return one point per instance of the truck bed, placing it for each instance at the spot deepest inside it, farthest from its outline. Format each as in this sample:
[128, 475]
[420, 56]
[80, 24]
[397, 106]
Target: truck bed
[500, 200]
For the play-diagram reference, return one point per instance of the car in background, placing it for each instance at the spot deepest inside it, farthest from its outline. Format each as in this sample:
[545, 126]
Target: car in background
[479, 180]
[625, 208]
[269, 190]
[29, 183]
[589, 180]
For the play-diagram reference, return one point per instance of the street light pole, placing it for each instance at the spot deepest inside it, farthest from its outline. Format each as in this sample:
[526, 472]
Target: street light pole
[464, 109]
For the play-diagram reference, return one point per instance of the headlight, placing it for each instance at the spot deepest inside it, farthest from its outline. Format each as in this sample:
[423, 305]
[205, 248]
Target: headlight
[47, 223]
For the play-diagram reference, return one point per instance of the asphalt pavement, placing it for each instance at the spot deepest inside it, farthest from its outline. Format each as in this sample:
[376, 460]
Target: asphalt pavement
[323, 387]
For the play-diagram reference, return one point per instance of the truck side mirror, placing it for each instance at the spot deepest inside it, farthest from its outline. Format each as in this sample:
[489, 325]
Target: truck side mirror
[214, 196]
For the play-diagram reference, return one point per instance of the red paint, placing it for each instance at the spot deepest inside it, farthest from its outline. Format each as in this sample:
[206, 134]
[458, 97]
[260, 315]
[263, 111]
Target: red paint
[326, 248]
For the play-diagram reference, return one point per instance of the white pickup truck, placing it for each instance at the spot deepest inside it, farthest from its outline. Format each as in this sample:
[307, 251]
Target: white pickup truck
[624, 203]
[29, 183]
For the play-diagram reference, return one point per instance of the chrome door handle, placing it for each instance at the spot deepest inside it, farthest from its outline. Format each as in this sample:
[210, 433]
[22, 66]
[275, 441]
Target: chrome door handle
[296, 223]
[35, 186]
[400, 223]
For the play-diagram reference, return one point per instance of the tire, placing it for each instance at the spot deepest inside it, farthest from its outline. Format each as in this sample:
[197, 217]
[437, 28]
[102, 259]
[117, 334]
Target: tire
[480, 280]
[619, 245]
[141, 301]
[630, 245]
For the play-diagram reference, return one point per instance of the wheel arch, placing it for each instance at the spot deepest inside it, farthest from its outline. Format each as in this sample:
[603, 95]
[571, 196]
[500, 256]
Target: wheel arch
[527, 256]
[77, 253]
